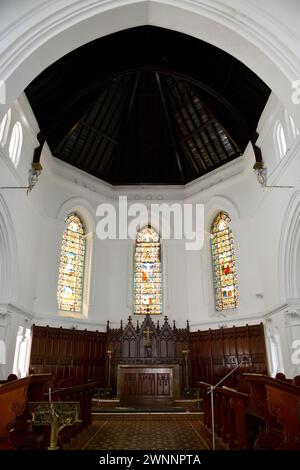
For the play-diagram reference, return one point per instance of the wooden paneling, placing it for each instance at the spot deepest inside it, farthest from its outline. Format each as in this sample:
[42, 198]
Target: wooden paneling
[140, 384]
[214, 353]
[81, 355]
[78, 355]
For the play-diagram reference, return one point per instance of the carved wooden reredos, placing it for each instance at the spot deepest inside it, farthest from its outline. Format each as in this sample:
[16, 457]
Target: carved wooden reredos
[147, 343]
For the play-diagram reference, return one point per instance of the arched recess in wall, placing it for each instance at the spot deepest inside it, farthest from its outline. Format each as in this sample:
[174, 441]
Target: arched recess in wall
[242, 32]
[289, 251]
[9, 273]
[84, 210]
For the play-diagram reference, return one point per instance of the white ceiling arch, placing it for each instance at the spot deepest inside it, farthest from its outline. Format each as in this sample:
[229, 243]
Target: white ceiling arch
[35, 33]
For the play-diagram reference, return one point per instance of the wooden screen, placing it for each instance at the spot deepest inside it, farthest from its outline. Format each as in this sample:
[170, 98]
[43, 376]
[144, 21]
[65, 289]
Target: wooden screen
[214, 353]
[78, 355]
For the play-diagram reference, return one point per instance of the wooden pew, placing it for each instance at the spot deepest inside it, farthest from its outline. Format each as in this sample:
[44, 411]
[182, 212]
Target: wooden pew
[230, 407]
[204, 389]
[264, 410]
[270, 432]
[278, 402]
[229, 414]
[13, 398]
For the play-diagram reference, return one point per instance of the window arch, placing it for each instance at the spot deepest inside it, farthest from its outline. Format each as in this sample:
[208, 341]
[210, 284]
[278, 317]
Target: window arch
[15, 144]
[294, 129]
[281, 140]
[224, 268]
[4, 128]
[147, 273]
[72, 264]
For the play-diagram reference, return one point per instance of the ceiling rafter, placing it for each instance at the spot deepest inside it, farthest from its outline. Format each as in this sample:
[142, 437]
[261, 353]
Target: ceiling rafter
[173, 140]
[125, 123]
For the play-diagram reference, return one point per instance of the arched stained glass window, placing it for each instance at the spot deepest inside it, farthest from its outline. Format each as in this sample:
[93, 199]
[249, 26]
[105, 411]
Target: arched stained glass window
[225, 277]
[147, 273]
[71, 268]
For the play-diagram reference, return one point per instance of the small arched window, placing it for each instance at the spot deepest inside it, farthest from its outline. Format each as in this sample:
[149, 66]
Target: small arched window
[281, 140]
[224, 268]
[15, 144]
[72, 264]
[294, 130]
[4, 128]
[147, 273]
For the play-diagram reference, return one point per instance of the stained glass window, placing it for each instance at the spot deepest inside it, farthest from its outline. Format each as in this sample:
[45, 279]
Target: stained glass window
[225, 277]
[71, 268]
[147, 273]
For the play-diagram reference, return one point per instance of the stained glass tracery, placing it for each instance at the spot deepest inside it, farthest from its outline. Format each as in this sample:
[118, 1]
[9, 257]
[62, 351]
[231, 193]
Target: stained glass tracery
[71, 268]
[223, 254]
[147, 273]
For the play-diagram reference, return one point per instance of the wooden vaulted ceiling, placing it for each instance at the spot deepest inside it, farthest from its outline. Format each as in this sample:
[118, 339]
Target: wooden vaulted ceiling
[147, 106]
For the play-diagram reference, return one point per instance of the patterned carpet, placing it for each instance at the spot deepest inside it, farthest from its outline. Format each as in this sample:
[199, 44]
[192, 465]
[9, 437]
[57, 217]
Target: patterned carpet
[142, 432]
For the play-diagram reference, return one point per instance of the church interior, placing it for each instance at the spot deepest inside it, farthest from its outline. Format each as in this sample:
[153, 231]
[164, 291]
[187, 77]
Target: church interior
[144, 339]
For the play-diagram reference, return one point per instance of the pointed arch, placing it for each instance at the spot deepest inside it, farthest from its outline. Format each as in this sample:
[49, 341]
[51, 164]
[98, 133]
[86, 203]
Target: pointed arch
[147, 273]
[72, 266]
[224, 268]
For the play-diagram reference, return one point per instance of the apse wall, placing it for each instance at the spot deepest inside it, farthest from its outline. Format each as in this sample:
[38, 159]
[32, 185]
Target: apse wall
[257, 220]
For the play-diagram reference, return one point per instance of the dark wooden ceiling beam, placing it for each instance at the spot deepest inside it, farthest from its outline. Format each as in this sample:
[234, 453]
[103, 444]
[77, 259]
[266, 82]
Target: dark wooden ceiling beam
[169, 124]
[190, 153]
[82, 154]
[115, 110]
[125, 125]
[98, 131]
[98, 121]
[181, 106]
[186, 105]
[103, 122]
[221, 142]
[107, 162]
[205, 125]
[112, 118]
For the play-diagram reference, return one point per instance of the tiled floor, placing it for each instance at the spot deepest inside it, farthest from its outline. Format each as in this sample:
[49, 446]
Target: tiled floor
[143, 431]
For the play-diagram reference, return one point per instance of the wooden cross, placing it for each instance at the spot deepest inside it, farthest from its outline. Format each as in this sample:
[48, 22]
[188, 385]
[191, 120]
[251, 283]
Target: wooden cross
[148, 332]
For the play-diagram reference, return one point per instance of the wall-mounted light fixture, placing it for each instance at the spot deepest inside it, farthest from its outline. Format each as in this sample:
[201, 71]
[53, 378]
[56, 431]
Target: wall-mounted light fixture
[34, 173]
[261, 174]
